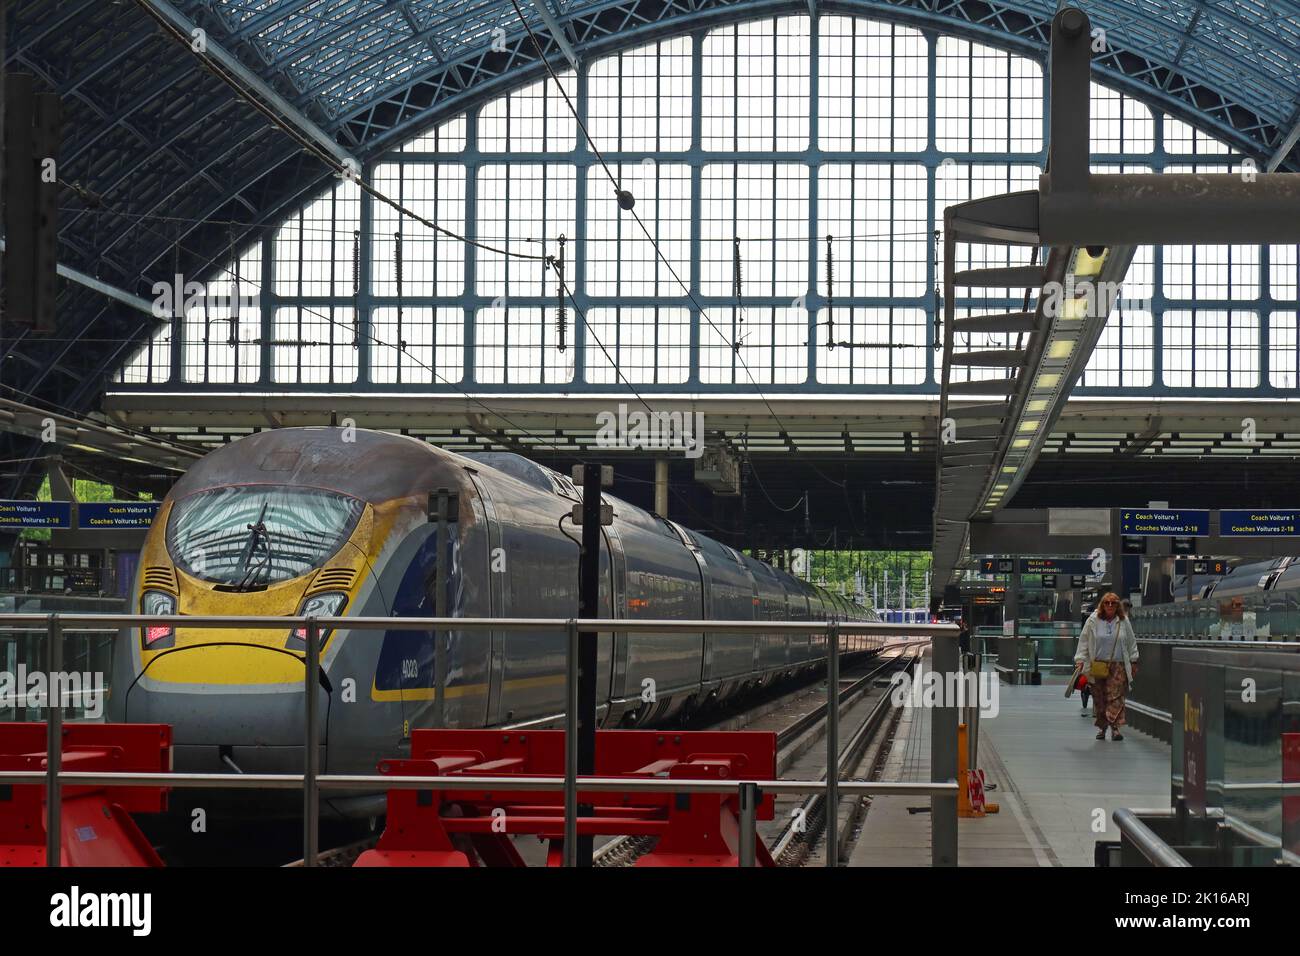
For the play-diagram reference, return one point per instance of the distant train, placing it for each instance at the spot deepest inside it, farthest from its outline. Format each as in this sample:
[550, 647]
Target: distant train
[316, 521]
[1255, 601]
[910, 615]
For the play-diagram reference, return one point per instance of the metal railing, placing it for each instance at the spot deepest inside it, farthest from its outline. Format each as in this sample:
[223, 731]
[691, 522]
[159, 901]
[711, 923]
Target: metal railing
[942, 790]
[1156, 851]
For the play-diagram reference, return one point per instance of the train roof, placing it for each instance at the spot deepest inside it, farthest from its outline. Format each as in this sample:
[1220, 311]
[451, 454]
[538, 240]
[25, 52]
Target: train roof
[379, 466]
[373, 466]
[1244, 578]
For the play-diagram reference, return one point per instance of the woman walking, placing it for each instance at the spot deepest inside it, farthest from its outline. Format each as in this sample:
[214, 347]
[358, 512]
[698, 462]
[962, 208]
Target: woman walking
[1108, 651]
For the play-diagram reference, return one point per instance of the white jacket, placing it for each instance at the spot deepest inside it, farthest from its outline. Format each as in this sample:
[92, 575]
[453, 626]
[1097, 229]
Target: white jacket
[1127, 644]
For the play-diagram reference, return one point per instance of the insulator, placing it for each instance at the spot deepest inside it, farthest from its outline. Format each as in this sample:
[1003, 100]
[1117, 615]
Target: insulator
[397, 263]
[561, 309]
[398, 275]
[737, 276]
[830, 293]
[356, 262]
[235, 305]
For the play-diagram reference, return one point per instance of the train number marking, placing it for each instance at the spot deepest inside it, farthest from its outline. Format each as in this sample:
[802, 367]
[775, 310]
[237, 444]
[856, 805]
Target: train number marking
[410, 668]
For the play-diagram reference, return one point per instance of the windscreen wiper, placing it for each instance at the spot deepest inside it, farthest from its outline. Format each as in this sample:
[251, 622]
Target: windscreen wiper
[259, 533]
[256, 533]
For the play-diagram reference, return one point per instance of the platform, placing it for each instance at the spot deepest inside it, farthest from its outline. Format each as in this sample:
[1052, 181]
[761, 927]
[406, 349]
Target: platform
[1054, 779]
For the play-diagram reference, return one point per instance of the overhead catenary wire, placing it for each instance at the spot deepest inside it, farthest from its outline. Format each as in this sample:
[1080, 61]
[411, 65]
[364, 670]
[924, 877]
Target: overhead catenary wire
[345, 171]
[429, 368]
[330, 230]
[342, 170]
[582, 316]
[625, 202]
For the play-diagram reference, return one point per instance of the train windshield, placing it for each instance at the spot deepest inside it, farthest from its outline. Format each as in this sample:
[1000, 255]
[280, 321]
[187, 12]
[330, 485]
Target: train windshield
[249, 536]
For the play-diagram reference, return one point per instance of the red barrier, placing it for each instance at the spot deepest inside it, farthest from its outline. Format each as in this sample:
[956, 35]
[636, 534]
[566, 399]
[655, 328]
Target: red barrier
[96, 827]
[472, 827]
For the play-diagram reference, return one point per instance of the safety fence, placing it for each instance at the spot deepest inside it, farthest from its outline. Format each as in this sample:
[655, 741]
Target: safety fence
[942, 788]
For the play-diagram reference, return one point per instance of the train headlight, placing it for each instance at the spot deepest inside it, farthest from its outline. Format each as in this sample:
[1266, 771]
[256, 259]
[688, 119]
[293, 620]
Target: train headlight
[328, 604]
[158, 602]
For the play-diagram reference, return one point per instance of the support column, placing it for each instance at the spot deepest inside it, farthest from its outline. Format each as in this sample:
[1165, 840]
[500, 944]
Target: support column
[661, 488]
[943, 754]
[1009, 643]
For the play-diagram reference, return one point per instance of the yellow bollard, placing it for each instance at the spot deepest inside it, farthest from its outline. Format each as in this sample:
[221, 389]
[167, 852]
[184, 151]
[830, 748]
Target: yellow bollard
[964, 807]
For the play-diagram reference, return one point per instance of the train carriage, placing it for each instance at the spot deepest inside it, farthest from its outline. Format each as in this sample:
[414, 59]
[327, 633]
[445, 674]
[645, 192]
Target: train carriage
[339, 523]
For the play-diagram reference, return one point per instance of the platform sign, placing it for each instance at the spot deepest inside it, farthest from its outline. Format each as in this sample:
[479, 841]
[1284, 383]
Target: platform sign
[1260, 523]
[997, 565]
[116, 515]
[18, 515]
[1193, 739]
[1164, 522]
[1055, 565]
[1203, 566]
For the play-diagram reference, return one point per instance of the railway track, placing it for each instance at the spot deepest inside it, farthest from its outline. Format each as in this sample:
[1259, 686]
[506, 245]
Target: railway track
[797, 843]
[799, 823]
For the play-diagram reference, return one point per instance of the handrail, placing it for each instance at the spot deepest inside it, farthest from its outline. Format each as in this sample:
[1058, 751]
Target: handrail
[1216, 643]
[942, 793]
[1157, 851]
[618, 625]
[505, 783]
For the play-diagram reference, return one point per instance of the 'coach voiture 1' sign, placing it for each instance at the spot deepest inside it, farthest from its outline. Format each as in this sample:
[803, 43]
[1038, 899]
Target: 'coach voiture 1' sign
[1163, 521]
[1261, 523]
[116, 515]
[17, 515]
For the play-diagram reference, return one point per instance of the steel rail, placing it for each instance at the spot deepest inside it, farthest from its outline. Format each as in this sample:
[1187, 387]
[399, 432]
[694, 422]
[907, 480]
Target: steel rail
[851, 752]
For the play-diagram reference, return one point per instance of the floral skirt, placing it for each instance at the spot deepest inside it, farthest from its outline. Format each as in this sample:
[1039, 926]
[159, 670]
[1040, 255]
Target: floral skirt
[1108, 696]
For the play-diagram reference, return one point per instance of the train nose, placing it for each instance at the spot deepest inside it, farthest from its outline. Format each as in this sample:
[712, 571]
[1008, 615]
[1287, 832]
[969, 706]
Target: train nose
[239, 705]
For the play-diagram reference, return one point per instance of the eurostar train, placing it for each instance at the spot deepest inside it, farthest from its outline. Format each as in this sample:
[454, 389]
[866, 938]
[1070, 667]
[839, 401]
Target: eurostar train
[325, 521]
[1255, 601]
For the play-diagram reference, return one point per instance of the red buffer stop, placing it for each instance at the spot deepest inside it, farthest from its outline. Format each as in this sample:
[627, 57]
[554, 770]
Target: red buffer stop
[474, 826]
[96, 826]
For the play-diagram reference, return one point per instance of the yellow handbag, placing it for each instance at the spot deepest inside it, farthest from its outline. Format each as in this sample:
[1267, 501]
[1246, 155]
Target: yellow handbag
[1100, 670]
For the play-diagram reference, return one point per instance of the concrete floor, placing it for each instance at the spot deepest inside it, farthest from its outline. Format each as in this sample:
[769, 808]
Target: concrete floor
[1056, 786]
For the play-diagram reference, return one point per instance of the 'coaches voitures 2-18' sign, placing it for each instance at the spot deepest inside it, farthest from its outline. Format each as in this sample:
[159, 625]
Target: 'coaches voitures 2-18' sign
[19, 515]
[116, 515]
[91, 515]
[1263, 523]
[1162, 521]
